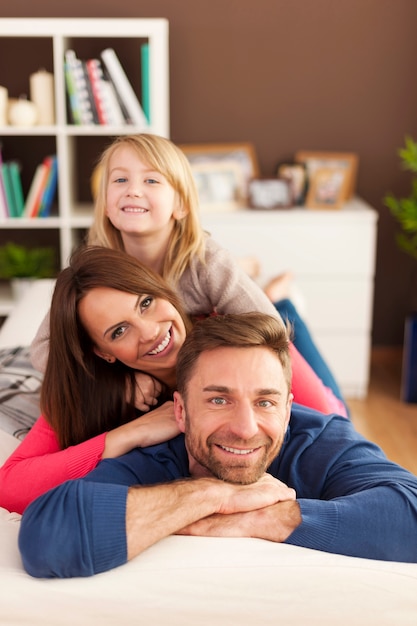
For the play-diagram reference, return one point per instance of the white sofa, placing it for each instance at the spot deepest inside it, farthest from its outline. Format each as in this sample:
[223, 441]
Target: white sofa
[190, 581]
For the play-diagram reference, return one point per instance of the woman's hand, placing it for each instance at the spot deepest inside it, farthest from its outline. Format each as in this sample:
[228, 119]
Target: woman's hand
[147, 391]
[157, 426]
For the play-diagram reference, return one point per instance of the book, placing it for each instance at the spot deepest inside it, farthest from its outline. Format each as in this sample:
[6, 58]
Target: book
[17, 189]
[82, 98]
[146, 104]
[4, 209]
[36, 189]
[107, 105]
[50, 188]
[123, 88]
[7, 182]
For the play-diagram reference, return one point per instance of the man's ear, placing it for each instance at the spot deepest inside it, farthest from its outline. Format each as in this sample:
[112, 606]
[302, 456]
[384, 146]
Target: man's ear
[179, 411]
[104, 355]
[288, 409]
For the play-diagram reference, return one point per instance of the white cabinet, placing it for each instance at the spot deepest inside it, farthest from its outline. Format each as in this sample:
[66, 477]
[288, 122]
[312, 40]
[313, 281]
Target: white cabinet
[332, 255]
[42, 43]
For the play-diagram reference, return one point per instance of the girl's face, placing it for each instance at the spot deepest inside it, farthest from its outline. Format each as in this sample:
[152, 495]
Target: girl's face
[143, 332]
[139, 200]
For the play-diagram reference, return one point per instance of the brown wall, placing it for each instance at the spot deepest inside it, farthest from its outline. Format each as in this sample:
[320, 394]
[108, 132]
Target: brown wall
[288, 74]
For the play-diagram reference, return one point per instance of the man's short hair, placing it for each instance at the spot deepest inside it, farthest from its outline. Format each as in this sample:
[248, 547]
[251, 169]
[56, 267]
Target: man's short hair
[238, 330]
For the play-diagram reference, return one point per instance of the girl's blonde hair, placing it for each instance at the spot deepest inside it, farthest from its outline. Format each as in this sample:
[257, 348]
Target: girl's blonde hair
[163, 156]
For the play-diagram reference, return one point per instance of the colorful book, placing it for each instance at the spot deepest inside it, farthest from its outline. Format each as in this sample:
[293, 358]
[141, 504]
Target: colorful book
[146, 104]
[73, 106]
[50, 186]
[37, 187]
[17, 189]
[107, 105]
[123, 88]
[81, 92]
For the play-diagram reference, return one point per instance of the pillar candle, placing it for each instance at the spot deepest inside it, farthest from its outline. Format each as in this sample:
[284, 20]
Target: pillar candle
[42, 94]
[4, 95]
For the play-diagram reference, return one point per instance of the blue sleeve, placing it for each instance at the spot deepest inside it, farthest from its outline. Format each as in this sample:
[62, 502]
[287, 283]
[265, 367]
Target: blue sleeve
[79, 527]
[76, 529]
[353, 500]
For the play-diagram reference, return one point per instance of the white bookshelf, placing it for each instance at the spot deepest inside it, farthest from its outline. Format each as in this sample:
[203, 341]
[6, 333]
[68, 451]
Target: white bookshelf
[71, 216]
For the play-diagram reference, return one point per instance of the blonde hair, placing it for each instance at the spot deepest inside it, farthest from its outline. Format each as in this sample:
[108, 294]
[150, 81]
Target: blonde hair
[163, 156]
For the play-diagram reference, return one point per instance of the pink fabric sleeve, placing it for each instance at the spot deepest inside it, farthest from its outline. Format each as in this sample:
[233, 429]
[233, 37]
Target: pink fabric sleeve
[38, 464]
[308, 388]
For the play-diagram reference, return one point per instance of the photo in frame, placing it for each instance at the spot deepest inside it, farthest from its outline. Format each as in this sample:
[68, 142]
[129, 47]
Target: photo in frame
[327, 189]
[331, 160]
[220, 185]
[296, 174]
[270, 193]
[206, 158]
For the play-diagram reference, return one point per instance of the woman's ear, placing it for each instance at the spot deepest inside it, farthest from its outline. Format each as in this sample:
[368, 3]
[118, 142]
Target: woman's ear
[103, 355]
[179, 411]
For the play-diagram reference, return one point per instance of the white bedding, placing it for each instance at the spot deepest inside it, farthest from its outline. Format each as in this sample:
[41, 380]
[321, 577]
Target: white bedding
[191, 581]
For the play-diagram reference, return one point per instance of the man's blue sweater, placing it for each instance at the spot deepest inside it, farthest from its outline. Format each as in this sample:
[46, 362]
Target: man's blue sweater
[353, 500]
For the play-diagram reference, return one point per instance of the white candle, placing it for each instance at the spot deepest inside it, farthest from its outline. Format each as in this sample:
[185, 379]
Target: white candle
[4, 96]
[42, 94]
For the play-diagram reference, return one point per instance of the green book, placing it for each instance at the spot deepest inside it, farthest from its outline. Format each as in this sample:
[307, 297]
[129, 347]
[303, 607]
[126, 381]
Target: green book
[17, 189]
[146, 100]
[8, 188]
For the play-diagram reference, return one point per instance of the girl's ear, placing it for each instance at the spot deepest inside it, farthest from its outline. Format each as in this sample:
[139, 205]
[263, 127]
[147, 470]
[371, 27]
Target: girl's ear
[179, 411]
[104, 355]
[180, 211]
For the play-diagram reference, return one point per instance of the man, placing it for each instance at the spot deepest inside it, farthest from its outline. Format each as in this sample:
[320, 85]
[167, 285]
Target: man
[240, 469]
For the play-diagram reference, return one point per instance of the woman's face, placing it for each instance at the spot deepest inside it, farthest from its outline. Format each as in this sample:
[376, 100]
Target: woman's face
[141, 331]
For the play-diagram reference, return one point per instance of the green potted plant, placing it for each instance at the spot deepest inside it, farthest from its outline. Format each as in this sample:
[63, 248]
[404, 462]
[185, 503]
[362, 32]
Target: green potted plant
[21, 264]
[405, 212]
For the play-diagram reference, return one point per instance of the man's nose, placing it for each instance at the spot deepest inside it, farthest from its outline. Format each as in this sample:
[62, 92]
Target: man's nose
[244, 423]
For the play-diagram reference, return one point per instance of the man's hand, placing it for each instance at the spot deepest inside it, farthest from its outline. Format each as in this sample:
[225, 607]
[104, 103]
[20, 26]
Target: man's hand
[266, 491]
[274, 523]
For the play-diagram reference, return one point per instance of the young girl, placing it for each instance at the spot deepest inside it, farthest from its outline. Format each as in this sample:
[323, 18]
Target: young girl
[147, 205]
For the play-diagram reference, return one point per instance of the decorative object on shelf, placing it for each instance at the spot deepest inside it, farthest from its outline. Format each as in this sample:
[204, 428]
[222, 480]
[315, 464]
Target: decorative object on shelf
[331, 160]
[296, 174]
[42, 94]
[234, 165]
[22, 112]
[327, 189]
[4, 97]
[270, 193]
[405, 212]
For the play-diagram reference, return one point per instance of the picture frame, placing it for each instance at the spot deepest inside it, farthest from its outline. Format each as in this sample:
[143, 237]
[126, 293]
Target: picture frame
[339, 160]
[220, 185]
[220, 158]
[270, 193]
[296, 174]
[327, 189]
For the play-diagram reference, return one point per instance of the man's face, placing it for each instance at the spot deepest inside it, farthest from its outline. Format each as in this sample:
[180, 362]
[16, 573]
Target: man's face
[236, 414]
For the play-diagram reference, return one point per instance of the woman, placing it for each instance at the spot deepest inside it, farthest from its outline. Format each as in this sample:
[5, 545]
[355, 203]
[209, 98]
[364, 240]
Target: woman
[110, 316]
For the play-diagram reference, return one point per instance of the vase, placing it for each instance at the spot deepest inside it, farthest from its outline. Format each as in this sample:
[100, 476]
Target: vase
[20, 286]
